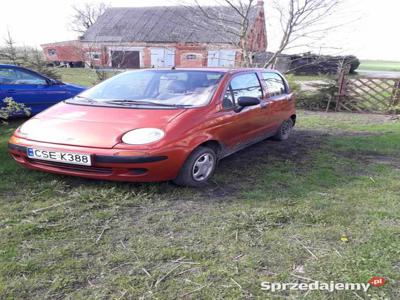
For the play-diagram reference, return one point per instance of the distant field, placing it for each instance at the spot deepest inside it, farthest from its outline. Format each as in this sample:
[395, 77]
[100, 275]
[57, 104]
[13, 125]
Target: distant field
[380, 65]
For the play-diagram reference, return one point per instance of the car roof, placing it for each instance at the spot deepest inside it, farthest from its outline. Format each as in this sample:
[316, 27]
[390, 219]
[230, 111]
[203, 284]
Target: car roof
[9, 65]
[222, 70]
[226, 70]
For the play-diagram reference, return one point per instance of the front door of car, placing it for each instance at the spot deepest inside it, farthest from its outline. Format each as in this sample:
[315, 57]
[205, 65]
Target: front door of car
[239, 128]
[30, 89]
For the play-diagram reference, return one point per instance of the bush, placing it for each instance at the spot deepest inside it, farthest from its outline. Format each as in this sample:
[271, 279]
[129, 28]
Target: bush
[34, 60]
[318, 95]
[293, 84]
[27, 57]
[12, 108]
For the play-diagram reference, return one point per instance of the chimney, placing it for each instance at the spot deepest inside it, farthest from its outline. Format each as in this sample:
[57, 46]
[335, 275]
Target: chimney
[260, 3]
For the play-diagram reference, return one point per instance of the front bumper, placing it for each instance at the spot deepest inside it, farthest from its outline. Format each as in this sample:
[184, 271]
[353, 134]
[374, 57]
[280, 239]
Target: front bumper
[108, 164]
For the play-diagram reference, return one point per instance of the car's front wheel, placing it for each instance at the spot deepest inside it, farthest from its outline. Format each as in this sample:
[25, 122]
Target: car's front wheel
[198, 168]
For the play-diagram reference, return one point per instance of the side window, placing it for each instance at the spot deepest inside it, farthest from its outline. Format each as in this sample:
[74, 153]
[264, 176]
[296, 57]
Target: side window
[274, 83]
[28, 78]
[7, 76]
[246, 85]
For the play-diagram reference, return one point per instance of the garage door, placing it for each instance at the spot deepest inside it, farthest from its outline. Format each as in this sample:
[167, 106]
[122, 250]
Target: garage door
[221, 58]
[125, 59]
[162, 57]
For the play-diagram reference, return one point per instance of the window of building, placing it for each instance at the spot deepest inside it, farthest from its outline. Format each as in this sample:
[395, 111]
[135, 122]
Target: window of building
[191, 56]
[94, 55]
[52, 51]
[274, 83]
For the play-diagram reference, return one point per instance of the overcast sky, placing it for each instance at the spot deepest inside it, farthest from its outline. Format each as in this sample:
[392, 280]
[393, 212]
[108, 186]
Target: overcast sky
[373, 32]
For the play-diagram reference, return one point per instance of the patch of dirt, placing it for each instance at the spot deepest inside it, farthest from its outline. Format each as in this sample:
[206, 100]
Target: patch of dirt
[384, 160]
[362, 118]
[297, 149]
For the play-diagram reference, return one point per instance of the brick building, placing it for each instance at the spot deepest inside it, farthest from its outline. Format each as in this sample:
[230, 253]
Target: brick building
[145, 37]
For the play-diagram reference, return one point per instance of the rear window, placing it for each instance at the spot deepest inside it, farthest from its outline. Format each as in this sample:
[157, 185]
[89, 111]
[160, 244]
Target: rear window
[275, 84]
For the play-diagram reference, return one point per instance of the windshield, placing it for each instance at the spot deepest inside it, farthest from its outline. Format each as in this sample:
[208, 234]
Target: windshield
[155, 87]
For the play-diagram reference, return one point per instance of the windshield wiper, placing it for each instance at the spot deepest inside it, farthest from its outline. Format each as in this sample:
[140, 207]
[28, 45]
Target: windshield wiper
[138, 102]
[90, 100]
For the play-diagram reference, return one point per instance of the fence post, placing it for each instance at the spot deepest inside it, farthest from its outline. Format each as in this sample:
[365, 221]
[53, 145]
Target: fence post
[342, 82]
[396, 93]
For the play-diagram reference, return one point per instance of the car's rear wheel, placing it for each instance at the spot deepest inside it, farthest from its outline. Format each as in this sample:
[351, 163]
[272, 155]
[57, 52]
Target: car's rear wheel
[198, 168]
[284, 130]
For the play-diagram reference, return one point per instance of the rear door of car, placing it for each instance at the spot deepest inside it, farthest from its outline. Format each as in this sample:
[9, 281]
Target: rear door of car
[277, 95]
[30, 89]
[238, 128]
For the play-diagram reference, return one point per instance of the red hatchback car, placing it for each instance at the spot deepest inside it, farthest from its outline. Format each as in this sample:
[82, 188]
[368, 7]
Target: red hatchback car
[157, 125]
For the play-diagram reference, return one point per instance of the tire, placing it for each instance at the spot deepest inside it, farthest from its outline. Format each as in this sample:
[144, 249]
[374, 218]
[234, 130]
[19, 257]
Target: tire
[284, 130]
[195, 172]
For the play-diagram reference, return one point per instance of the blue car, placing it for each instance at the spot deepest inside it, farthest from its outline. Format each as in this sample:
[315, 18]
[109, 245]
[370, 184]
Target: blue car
[36, 91]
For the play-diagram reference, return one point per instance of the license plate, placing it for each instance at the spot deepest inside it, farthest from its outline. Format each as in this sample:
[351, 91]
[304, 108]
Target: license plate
[62, 157]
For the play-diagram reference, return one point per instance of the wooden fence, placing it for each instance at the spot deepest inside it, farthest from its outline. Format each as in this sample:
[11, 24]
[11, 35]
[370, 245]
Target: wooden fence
[368, 94]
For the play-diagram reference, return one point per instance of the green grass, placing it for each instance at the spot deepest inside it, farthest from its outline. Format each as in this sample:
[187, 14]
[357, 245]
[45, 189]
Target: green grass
[379, 65]
[85, 77]
[275, 212]
[81, 76]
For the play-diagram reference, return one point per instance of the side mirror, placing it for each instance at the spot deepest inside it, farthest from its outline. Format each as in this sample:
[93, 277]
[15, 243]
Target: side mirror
[52, 82]
[246, 101]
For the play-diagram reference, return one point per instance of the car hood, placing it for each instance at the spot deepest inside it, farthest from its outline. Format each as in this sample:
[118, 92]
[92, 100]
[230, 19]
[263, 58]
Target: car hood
[92, 126]
[74, 87]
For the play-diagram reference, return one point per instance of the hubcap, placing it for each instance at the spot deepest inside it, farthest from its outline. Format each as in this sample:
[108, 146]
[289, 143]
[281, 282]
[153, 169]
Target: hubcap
[203, 167]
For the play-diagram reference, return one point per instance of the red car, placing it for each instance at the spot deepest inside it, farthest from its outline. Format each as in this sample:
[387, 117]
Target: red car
[157, 125]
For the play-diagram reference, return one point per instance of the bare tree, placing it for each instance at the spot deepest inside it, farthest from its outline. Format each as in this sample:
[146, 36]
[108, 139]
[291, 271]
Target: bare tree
[85, 15]
[301, 20]
[234, 24]
[242, 9]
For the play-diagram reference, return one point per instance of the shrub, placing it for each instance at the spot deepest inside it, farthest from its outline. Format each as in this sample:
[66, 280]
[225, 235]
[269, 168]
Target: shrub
[34, 59]
[293, 84]
[12, 108]
[28, 57]
[318, 95]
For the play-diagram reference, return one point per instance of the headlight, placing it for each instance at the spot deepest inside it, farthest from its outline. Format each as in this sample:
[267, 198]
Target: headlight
[142, 136]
